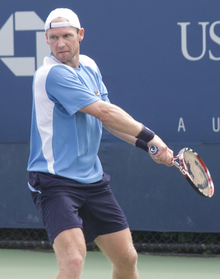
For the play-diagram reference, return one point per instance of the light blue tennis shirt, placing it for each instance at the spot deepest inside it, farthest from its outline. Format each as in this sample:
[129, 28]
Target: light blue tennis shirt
[65, 141]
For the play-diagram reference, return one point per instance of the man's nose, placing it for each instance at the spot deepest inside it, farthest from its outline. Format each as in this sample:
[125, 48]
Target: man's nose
[61, 42]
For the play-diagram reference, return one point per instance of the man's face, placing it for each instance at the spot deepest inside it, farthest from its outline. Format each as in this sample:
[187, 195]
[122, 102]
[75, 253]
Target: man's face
[64, 43]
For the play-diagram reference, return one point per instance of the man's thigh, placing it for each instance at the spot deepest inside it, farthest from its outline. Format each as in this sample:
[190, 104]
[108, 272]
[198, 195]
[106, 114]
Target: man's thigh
[69, 244]
[117, 246]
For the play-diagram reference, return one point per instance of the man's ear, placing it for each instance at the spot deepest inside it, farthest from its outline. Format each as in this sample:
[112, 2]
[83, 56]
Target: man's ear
[81, 34]
[46, 38]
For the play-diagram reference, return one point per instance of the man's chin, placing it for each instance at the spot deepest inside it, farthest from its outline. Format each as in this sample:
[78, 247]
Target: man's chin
[63, 57]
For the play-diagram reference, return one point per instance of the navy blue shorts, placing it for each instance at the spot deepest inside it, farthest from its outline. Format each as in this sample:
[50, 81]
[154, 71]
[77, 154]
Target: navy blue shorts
[64, 204]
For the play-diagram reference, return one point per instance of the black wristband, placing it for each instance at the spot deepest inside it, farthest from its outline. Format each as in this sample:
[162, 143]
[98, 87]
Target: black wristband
[141, 144]
[145, 134]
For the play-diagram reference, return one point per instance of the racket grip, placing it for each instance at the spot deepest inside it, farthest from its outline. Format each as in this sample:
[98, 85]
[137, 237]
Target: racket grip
[153, 150]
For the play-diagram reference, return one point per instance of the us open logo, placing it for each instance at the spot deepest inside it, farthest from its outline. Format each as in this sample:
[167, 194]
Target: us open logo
[212, 35]
[22, 21]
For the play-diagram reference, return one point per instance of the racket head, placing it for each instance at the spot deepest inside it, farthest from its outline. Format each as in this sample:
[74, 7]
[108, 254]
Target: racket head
[195, 171]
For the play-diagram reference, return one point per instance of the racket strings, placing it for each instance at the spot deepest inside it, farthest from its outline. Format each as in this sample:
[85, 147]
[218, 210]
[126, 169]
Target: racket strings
[196, 171]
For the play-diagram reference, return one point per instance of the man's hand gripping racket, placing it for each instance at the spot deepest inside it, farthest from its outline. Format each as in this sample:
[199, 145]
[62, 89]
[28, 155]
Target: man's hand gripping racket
[193, 169]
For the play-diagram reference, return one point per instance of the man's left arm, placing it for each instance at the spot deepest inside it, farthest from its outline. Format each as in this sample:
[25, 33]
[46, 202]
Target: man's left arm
[125, 137]
[132, 140]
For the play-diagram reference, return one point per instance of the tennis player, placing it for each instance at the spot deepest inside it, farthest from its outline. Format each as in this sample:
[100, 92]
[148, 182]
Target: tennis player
[66, 179]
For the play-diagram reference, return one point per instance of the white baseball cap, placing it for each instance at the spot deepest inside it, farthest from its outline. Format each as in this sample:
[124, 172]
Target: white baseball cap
[65, 13]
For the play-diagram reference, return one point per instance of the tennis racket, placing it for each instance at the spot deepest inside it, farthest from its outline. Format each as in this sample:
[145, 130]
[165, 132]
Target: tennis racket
[193, 169]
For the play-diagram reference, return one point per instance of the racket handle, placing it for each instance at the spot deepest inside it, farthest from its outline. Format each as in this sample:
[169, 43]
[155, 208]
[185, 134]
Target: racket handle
[153, 150]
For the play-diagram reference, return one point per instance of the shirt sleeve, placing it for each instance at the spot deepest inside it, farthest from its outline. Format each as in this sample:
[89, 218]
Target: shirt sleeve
[63, 86]
[103, 89]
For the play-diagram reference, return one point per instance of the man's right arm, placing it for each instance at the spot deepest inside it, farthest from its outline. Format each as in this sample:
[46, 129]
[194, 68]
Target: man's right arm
[114, 117]
[121, 124]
